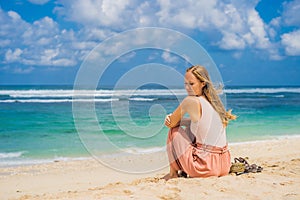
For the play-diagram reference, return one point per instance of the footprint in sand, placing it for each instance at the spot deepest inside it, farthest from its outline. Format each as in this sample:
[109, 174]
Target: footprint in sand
[174, 193]
[174, 196]
[128, 192]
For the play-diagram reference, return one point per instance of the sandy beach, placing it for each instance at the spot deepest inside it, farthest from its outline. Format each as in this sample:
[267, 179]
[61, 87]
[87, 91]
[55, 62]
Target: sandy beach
[88, 179]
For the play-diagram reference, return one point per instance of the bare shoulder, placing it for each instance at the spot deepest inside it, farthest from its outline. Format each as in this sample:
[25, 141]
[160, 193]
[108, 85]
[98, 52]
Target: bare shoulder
[190, 101]
[192, 106]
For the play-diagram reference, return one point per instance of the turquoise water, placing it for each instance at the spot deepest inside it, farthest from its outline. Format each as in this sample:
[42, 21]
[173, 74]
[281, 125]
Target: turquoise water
[37, 122]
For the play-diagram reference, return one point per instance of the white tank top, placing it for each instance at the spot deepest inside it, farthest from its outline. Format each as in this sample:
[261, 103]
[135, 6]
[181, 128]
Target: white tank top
[209, 128]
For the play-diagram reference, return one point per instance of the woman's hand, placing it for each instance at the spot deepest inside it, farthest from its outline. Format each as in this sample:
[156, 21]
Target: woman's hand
[173, 120]
[168, 120]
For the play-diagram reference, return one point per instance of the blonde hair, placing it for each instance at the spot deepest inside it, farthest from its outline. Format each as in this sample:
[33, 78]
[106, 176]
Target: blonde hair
[211, 94]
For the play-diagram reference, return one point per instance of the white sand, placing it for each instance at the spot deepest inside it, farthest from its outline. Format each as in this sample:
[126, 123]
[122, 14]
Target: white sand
[88, 179]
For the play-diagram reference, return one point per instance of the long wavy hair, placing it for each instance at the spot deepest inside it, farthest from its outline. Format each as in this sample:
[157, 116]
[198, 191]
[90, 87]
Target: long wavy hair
[211, 94]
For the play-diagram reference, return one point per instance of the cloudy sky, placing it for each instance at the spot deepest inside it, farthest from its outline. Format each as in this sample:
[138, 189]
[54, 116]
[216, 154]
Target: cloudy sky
[252, 42]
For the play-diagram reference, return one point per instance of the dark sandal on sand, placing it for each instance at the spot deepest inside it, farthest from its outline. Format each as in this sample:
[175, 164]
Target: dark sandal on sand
[241, 166]
[182, 174]
[254, 168]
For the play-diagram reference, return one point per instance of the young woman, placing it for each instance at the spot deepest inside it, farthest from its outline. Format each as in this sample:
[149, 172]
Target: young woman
[199, 150]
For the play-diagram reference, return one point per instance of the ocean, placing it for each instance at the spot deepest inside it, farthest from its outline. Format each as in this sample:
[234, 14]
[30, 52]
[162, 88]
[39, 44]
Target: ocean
[37, 122]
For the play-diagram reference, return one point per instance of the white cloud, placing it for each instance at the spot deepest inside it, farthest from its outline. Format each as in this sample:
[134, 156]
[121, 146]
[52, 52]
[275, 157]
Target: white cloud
[143, 15]
[186, 14]
[233, 18]
[95, 34]
[96, 13]
[63, 62]
[291, 13]
[15, 16]
[291, 43]
[242, 27]
[127, 57]
[275, 22]
[237, 55]
[44, 29]
[112, 10]
[11, 25]
[84, 45]
[232, 41]
[166, 55]
[237, 25]
[19, 70]
[11, 56]
[274, 54]
[41, 43]
[257, 29]
[153, 56]
[48, 55]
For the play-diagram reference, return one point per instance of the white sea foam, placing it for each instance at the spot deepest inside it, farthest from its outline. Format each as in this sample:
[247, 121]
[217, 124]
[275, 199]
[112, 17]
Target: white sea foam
[5, 155]
[265, 139]
[142, 99]
[56, 100]
[262, 90]
[279, 96]
[28, 161]
[89, 93]
[60, 96]
[33, 93]
[136, 150]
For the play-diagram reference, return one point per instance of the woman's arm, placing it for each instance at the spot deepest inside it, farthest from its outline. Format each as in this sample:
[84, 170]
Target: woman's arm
[173, 120]
[189, 105]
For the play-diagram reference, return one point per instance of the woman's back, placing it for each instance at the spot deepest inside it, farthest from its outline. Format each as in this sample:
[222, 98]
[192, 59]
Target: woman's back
[209, 129]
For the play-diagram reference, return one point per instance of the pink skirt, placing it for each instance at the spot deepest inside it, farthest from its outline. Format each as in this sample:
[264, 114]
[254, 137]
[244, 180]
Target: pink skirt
[197, 160]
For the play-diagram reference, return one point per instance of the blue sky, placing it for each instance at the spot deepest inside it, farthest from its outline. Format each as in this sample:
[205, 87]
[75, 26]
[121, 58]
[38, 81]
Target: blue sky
[251, 42]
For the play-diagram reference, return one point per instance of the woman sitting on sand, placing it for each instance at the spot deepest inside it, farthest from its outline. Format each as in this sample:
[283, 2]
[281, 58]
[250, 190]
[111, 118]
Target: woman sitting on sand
[199, 150]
